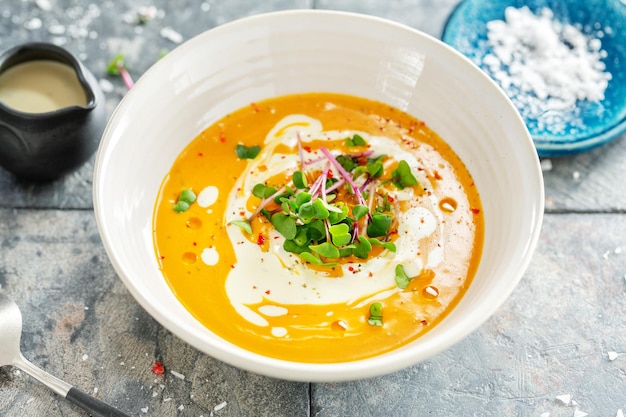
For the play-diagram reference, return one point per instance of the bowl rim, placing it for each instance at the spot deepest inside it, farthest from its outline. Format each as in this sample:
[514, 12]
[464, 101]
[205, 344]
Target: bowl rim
[303, 371]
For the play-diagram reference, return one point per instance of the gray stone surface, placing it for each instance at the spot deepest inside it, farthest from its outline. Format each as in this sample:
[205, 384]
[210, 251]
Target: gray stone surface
[561, 333]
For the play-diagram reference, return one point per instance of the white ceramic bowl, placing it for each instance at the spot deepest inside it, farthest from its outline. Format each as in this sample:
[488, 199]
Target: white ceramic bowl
[281, 53]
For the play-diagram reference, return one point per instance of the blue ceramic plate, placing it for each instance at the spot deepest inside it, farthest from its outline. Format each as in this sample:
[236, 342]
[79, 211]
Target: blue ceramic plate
[586, 124]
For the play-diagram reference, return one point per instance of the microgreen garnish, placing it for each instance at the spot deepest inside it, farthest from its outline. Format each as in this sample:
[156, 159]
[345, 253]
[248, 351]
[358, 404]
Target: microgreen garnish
[355, 140]
[185, 199]
[402, 279]
[333, 206]
[402, 176]
[245, 152]
[376, 314]
[117, 67]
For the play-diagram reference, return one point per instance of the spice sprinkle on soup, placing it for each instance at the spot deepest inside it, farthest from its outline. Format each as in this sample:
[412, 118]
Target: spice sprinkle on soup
[318, 228]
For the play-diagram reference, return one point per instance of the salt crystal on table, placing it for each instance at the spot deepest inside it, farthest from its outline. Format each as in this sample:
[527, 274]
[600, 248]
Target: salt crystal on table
[565, 398]
[613, 355]
[546, 165]
[619, 413]
[220, 406]
[578, 413]
[177, 375]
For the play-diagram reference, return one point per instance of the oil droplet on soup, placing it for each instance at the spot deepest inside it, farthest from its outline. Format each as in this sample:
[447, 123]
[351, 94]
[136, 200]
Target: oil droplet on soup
[245, 285]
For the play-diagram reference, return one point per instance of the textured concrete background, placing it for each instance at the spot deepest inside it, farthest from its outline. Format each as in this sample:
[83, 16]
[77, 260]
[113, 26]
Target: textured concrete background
[556, 348]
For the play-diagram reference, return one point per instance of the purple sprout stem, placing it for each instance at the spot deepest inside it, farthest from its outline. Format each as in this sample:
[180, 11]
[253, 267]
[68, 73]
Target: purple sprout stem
[346, 175]
[300, 151]
[128, 80]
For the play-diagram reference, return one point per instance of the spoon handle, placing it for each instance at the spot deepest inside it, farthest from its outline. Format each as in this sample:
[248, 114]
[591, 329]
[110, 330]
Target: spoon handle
[93, 406]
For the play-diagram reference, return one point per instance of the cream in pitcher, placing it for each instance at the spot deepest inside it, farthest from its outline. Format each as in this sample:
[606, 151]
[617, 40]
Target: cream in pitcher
[41, 86]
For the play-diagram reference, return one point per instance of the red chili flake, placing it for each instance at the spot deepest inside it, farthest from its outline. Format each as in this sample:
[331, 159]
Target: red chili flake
[158, 368]
[222, 137]
[329, 174]
[276, 237]
[390, 198]
[475, 210]
[437, 175]
[422, 124]
[232, 267]
[267, 292]
[307, 148]
[350, 269]
[370, 274]
[424, 322]
[255, 108]
[260, 240]
[200, 154]
[195, 244]
[162, 257]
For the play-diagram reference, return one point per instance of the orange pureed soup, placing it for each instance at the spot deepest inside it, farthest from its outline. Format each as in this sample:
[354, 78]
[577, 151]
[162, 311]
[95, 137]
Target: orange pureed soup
[318, 228]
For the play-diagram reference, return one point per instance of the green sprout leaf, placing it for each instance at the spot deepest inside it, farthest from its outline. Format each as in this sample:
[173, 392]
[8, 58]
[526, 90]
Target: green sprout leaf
[359, 211]
[285, 225]
[243, 225]
[337, 216]
[299, 180]
[355, 140]
[362, 247]
[340, 234]
[245, 152]
[402, 176]
[379, 226]
[390, 246]
[347, 162]
[114, 65]
[180, 206]
[309, 257]
[402, 279]
[376, 314]
[185, 199]
[262, 191]
[326, 250]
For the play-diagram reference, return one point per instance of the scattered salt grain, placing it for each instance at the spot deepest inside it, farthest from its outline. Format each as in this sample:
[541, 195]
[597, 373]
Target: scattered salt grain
[85, 357]
[220, 406]
[612, 355]
[579, 413]
[181, 407]
[144, 410]
[565, 398]
[56, 30]
[171, 34]
[168, 399]
[44, 4]
[546, 414]
[620, 413]
[178, 375]
[154, 394]
[618, 250]
[33, 24]
[545, 66]
[576, 175]
[30, 400]
[546, 165]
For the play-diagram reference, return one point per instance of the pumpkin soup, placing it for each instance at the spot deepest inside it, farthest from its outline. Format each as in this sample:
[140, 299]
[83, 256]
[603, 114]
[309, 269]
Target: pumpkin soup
[318, 228]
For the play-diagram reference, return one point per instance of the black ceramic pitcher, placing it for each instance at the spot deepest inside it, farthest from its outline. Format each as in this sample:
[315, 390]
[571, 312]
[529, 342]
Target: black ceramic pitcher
[46, 145]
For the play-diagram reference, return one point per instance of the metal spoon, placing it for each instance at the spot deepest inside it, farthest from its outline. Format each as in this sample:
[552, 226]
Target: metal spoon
[10, 354]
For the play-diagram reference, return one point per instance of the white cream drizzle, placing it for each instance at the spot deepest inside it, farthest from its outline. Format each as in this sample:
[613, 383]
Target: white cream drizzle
[279, 277]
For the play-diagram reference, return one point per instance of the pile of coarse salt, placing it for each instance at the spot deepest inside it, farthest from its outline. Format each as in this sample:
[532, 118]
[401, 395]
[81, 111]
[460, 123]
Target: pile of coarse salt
[545, 66]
